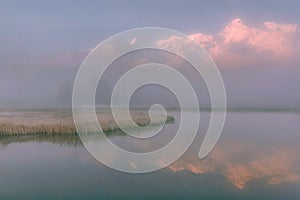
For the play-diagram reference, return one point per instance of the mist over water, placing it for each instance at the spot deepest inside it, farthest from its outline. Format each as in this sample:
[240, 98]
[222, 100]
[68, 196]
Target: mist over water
[247, 86]
[255, 45]
[257, 152]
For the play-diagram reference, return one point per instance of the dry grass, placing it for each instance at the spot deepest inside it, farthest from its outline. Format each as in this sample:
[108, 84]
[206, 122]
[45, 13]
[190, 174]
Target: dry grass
[61, 122]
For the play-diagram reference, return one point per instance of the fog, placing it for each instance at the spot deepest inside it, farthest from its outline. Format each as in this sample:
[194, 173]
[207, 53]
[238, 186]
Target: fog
[43, 45]
[46, 82]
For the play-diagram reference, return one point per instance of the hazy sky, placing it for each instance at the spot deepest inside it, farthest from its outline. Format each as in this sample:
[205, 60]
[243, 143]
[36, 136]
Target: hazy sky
[37, 26]
[44, 42]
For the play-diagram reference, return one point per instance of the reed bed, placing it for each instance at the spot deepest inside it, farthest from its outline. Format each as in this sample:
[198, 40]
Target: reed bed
[15, 123]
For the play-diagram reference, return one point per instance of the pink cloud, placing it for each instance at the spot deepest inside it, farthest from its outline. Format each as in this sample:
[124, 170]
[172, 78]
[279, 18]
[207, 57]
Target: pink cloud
[238, 43]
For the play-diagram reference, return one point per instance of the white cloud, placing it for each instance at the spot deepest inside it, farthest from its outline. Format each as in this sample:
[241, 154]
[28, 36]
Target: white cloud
[238, 43]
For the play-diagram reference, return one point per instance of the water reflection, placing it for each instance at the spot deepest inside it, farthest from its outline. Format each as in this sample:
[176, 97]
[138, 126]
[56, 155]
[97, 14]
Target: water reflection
[62, 140]
[277, 164]
[260, 151]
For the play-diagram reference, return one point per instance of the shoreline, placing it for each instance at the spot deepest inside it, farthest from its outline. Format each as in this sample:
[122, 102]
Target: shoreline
[61, 122]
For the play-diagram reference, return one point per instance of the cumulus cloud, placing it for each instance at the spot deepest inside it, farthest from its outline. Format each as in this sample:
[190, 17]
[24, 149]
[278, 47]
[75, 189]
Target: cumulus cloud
[47, 79]
[238, 43]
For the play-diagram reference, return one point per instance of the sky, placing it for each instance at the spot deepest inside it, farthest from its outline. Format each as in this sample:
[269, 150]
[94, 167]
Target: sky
[254, 43]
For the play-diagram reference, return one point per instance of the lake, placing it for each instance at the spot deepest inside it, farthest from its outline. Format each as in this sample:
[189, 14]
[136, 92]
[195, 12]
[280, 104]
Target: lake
[257, 157]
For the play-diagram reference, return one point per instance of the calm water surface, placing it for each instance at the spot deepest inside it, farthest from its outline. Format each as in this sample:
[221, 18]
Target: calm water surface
[257, 157]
